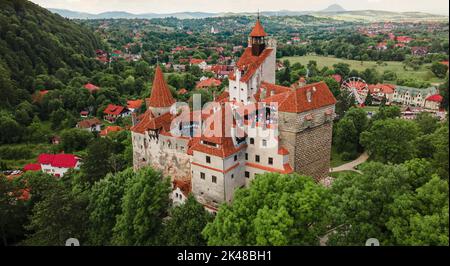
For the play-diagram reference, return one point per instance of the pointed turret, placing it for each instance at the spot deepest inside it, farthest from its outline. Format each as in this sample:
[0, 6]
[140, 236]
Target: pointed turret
[258, 30]
[161, 98]
[257, 36]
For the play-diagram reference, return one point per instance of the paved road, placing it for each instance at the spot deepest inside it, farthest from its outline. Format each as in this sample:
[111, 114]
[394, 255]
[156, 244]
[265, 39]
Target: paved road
[350, 166]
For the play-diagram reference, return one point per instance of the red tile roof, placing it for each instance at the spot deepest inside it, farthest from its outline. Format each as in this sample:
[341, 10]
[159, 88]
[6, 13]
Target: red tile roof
[384, 88]
[435, 98]
[211, 82]
[59, 160]
[258, 30]
[337, 77]
[295, 101]
[134, 104]
[182, 91]
[91, 87]
[110, 129]
[149, 122]
[89, 123]
[112, 109]
[283, 151]
[161, 95]
[32, 167]
[250, 63]
[270, 90]
[184, 185]
[287, 169]
[218, 132]
[195, 61]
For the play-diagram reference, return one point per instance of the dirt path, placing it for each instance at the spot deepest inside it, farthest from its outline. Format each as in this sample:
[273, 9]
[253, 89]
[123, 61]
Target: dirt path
[350, 166]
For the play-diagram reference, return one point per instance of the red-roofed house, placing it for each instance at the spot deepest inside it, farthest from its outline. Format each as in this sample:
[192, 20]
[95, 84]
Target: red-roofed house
[433, 102]
[110, 129]
[112, 112]
[58, 164]
[32, 167]
[198, 62]
[404, 39]
[91, 87]
[208, 83]
[134, 105]
[181, 188]
[91, 125]
[380, 91]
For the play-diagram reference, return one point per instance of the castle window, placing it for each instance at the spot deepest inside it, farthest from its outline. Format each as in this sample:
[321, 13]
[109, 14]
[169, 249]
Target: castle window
[252, 141]
[208, 159]
[202, 175]
[232, 176]
[270, 161]
[246, 156]
[214, 179]
[257, 158]
[235, 158]
[247, 174]
[264, 143]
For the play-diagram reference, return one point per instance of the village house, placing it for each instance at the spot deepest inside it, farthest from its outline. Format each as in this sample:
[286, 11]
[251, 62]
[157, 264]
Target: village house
[199, 62]
[253, 127]
[55, 164]
[433, 102]
[180, 191]
[408, 96]
[91, 87]
[134, 105]
[112, 112]
[91, 125]
[84, 114]
[382, 91]
[208, 83]
[109, 129]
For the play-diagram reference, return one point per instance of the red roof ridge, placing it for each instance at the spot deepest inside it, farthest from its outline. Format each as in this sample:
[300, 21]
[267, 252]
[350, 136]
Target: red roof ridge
[258, 30]
[161, 95]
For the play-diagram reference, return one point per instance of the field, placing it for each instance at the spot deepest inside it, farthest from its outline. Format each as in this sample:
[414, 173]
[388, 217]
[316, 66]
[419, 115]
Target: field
[424, 73]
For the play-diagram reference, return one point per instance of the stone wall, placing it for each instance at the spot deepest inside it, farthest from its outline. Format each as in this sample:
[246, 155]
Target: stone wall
[308, 142]
[313, 151]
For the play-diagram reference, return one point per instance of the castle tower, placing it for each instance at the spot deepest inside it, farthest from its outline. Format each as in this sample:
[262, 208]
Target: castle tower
[257, 39]
[161, 98]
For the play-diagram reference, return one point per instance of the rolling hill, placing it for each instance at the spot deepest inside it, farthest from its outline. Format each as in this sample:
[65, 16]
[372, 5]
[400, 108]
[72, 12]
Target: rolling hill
[333, 11]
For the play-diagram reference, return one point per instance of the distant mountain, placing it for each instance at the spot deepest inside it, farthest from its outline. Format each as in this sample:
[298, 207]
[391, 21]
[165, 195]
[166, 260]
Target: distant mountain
[126, 15]
[334, 8]
[334, 11]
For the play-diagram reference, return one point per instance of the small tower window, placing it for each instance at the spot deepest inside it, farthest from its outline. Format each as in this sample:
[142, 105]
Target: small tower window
[214, 179]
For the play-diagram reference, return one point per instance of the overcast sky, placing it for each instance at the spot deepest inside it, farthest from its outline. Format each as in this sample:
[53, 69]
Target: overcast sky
[170, 6]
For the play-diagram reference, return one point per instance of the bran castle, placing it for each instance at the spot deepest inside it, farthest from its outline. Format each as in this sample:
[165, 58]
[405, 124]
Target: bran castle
[252, 128]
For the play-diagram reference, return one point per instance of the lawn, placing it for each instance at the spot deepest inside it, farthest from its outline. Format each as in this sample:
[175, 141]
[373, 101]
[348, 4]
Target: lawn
[22, 154]
[336, 159]
[424, 73]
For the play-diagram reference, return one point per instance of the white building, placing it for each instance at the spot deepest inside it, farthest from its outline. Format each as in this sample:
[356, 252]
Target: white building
[58, 164]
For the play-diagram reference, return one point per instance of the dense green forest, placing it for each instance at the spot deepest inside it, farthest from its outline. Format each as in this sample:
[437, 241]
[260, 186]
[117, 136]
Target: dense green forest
[34, 42]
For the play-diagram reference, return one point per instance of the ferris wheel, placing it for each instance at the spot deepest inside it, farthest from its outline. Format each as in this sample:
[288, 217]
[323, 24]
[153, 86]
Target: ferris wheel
[357, 87]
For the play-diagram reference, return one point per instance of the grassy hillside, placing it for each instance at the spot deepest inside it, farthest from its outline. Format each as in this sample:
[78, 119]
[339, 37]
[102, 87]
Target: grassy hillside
[424, 73]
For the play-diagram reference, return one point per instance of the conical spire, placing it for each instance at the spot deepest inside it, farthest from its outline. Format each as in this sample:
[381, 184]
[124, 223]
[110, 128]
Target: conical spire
[258, 30]
[161, 95]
